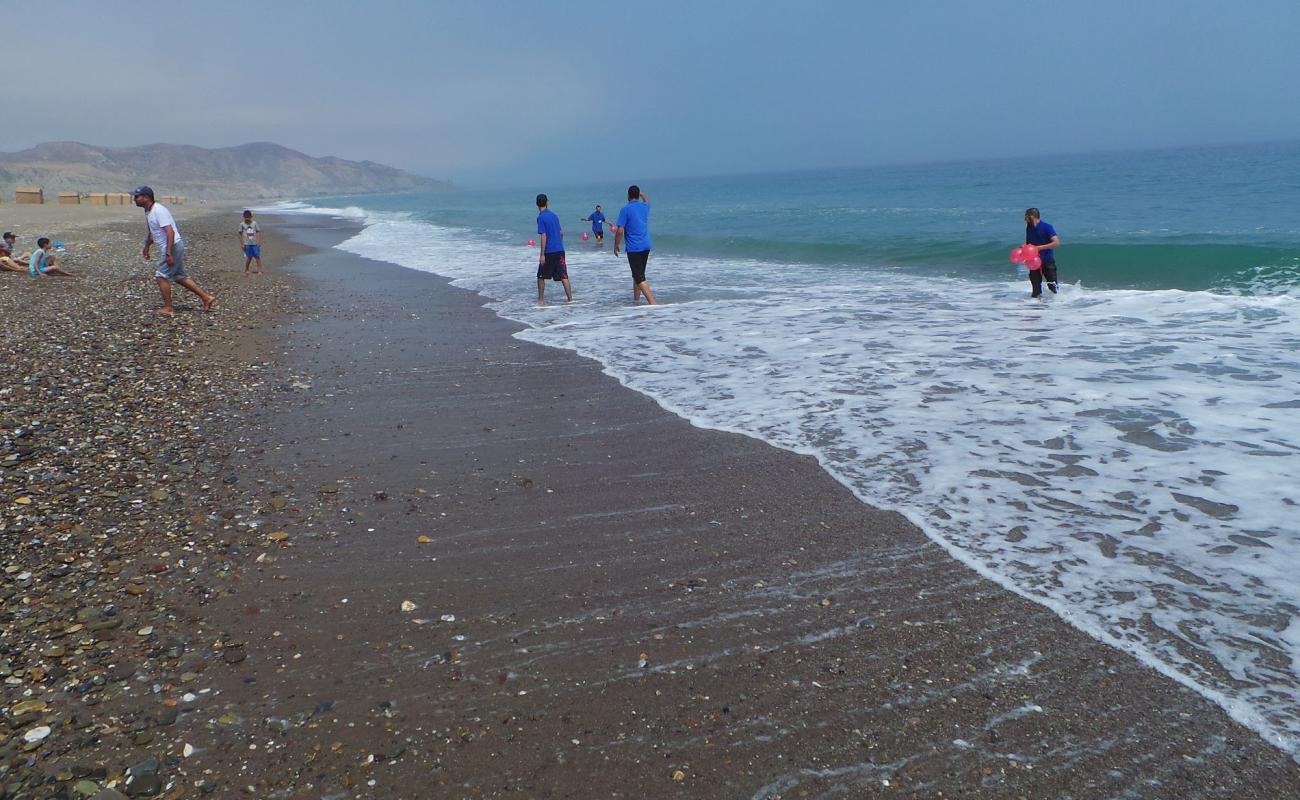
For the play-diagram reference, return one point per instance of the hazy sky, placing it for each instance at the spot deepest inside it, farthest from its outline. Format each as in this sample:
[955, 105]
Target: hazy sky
[566, 91]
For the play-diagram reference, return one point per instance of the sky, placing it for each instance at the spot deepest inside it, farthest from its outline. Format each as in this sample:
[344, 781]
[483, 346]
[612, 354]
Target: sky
[506, 92]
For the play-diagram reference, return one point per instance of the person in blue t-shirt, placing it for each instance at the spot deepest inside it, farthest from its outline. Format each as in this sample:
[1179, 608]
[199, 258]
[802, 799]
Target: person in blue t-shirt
[633, 226]
[550, 261]
[1043, 236]
[597, 220]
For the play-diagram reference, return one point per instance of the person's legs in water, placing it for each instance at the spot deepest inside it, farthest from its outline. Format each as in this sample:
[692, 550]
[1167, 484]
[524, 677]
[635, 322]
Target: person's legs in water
[638, 261]
[1049, 275]
[1036, 281]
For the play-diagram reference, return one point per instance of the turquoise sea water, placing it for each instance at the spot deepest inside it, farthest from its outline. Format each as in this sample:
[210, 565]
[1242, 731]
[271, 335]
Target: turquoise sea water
[1225, 218]
[1125, 453]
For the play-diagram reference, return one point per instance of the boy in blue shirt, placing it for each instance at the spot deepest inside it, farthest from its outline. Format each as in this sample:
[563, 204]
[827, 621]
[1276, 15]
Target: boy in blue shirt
[633, 226]
[597, 220]
[550, 261]
[1043, 236]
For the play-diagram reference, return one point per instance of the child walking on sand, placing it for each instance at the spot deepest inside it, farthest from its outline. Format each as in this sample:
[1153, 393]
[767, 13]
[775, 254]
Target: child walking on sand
[250, 236]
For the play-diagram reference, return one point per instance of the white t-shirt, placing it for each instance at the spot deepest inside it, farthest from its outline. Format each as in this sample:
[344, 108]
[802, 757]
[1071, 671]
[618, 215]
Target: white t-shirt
[158, 218]
[250, 230]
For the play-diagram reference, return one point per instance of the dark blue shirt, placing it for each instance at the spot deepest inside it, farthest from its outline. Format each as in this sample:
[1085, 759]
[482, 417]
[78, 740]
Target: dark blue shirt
[634, 219]
[1041, 234]
[549, 224]
[596, 218]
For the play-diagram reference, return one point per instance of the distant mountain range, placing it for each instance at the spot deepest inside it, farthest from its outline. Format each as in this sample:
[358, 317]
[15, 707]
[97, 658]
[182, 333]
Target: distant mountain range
[258, 171]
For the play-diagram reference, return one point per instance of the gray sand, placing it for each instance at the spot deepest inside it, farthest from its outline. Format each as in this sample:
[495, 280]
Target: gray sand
[613, 603]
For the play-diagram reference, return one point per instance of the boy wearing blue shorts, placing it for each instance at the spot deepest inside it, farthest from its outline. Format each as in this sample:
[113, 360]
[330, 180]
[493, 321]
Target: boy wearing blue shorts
[550, 262]
[250, 237]
[44, 263]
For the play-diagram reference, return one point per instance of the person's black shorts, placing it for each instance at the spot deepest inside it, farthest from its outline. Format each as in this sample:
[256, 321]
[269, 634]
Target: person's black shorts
[553, 268]
[637, 262]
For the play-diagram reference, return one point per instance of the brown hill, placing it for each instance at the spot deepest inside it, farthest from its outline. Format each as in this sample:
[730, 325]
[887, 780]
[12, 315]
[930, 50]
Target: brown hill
[257, 171]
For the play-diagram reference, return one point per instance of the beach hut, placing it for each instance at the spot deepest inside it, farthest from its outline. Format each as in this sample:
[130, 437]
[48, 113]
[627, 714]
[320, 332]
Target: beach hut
[69, 199]
[97, 199]
[29, 194]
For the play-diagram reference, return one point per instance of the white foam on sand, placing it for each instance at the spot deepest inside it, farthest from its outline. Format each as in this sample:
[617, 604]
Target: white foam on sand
[1130, 460]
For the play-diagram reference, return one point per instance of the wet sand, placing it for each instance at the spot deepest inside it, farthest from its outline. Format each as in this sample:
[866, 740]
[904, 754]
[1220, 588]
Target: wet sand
[211, 525]
[490, 570]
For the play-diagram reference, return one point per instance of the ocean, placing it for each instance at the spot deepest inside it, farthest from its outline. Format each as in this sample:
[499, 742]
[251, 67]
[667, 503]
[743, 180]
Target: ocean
[1123, 453]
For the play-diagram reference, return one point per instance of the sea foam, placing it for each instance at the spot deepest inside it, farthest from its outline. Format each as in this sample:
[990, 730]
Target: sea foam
[1129, 459]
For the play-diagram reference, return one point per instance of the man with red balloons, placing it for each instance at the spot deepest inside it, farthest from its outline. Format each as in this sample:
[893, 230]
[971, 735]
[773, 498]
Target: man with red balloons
[1038, 252]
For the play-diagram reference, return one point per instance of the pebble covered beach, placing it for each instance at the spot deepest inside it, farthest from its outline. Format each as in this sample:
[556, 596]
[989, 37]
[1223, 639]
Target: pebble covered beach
[118, 520]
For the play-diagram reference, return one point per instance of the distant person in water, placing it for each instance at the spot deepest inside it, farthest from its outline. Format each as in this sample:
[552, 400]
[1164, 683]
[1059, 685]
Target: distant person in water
[250, 238]
[597, 220]
[44, 263]
[8, 261]
[164, 233]
[1043, 236]
[550, 259]
[633, 227]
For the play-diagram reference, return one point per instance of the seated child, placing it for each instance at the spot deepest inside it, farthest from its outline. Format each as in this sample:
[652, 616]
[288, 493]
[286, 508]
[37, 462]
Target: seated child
[8, 261]
[45, 263]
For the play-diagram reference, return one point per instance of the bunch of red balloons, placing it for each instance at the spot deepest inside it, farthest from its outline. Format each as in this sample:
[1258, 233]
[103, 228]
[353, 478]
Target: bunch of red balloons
[1027, 255]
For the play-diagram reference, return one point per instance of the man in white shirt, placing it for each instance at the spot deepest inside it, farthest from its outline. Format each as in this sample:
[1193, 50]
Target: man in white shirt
[164, 233]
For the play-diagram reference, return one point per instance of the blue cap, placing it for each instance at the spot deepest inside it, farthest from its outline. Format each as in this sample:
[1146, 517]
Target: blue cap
[145, 190]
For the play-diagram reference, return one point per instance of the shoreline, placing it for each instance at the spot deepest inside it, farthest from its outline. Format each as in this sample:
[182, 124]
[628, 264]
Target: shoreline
[612, 533]
[631, 599]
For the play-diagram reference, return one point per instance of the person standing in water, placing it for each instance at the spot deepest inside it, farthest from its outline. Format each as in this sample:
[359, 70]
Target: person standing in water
[1043, 236]
[633, 226]
[550, 262]
[597, 220]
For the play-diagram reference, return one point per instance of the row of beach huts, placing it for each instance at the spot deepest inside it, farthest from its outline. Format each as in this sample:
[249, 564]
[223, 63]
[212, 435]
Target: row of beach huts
[35, 195]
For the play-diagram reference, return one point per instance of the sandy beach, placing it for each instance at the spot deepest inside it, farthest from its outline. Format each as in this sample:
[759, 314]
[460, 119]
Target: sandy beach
[347, 537]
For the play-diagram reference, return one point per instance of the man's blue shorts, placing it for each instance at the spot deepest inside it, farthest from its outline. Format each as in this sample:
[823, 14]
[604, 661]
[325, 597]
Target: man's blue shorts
[252, 251]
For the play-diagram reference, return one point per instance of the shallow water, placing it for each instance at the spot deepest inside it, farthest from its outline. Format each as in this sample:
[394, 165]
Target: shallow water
[1125, 456]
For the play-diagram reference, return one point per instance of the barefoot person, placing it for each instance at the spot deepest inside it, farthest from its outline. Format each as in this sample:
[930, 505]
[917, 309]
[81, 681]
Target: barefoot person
[550, 262]
[633, 226]
[250, 236]
[44, 263]
[164, 233]
[8, 261]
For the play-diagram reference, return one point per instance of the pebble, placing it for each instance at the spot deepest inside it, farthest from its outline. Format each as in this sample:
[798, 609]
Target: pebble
[107, 507]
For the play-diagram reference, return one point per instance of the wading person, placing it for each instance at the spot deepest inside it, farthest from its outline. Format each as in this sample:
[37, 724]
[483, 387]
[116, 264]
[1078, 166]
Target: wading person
[633, 227]
[164, 233]
[550, 261]
[1043, 236]
[597, 220]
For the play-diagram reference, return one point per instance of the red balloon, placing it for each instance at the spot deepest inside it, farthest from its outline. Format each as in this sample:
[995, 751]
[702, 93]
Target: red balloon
[1034, 263]
[584, 237]
[532, 242]
[1030, 251]
[1017, 256]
